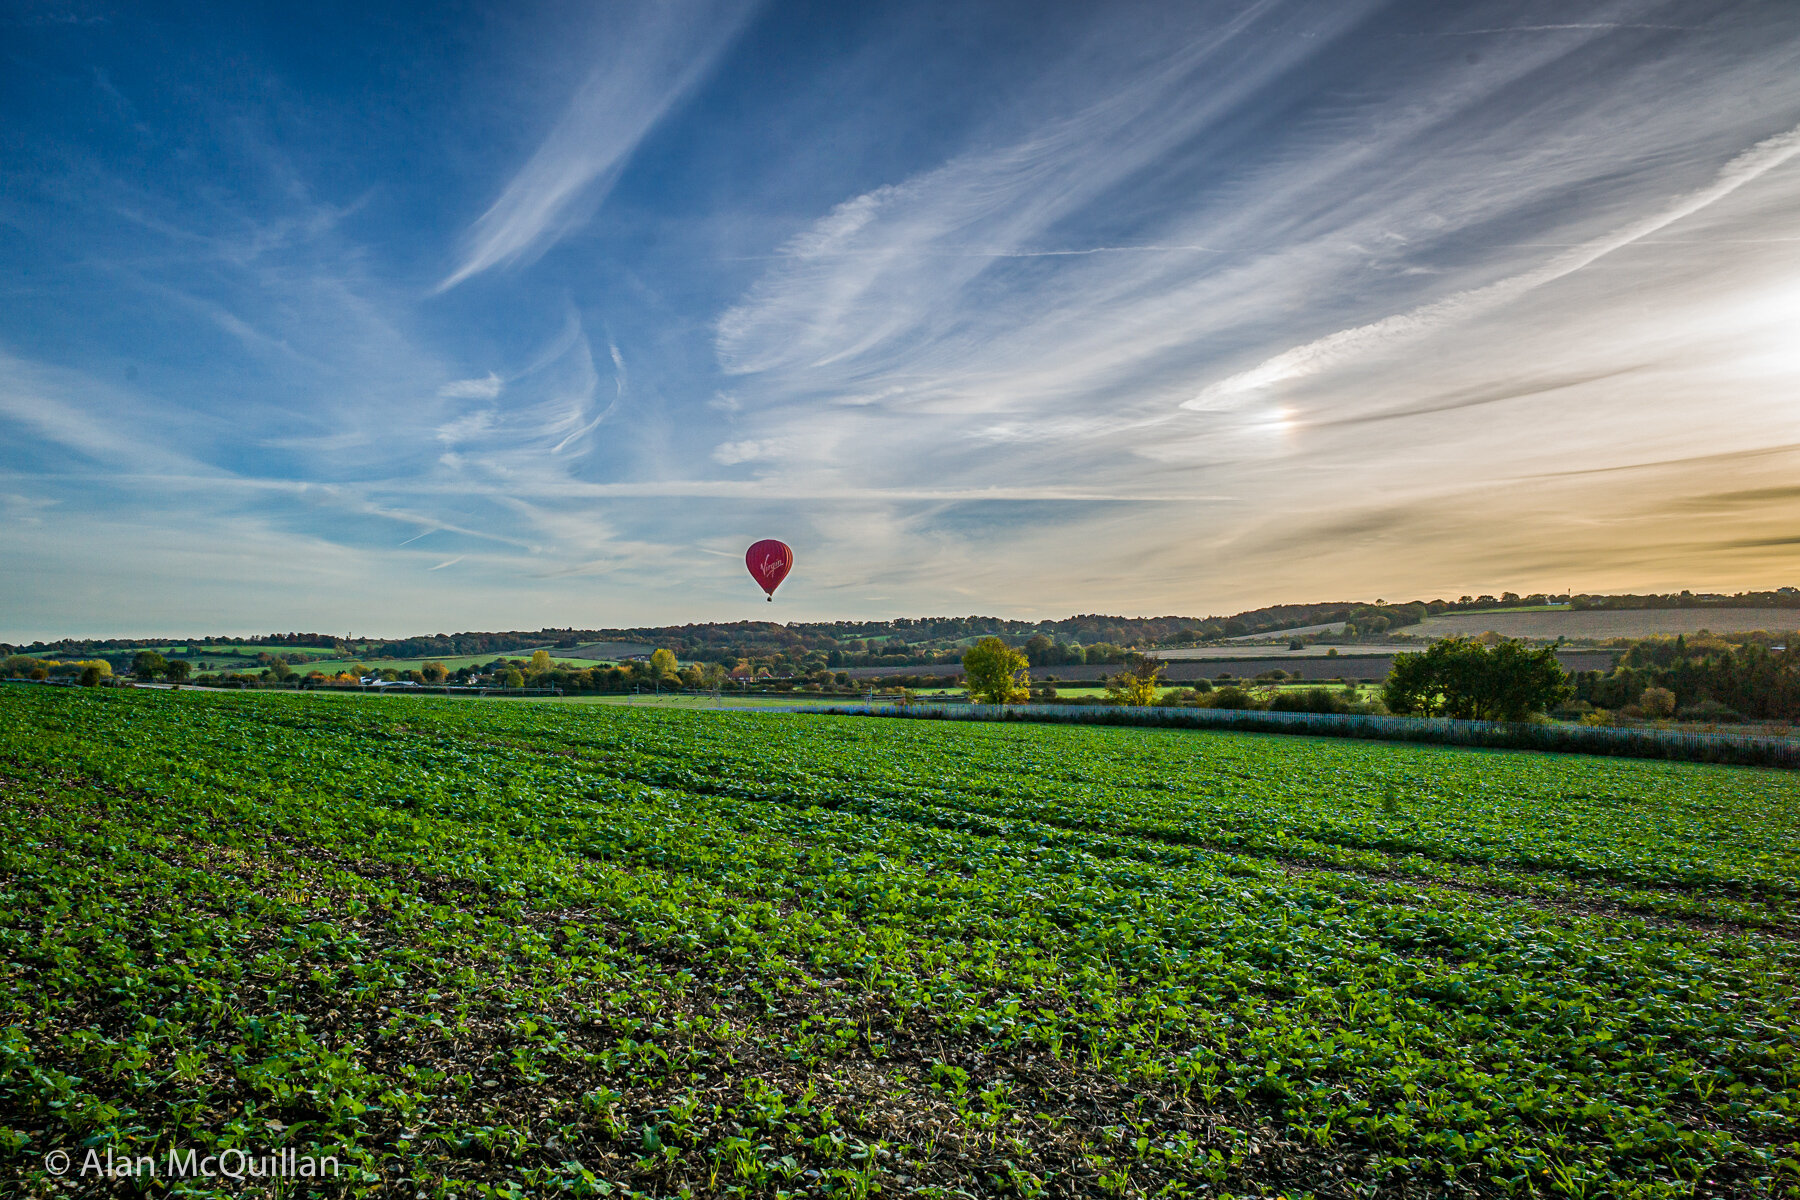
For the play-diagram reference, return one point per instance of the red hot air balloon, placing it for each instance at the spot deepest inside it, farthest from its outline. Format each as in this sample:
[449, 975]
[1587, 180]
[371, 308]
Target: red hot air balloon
[769, 562]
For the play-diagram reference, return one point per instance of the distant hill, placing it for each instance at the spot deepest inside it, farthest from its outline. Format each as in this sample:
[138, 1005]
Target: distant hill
[927, 641]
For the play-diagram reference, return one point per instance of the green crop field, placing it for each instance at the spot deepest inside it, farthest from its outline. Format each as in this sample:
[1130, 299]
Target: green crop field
[487, 950]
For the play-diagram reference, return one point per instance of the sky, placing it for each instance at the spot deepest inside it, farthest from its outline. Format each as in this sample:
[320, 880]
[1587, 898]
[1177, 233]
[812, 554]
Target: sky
[383, 320]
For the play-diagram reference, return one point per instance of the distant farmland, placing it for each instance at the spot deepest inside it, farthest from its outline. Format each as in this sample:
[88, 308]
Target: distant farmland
[1355, 664]
[1593, 623]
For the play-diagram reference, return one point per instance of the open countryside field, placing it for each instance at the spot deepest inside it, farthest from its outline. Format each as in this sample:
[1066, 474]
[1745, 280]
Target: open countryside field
[1594, 623]
[544, 949]
[606, 651]
[244, 657]
[450, 663]
[1229, 652]
[1359, 665]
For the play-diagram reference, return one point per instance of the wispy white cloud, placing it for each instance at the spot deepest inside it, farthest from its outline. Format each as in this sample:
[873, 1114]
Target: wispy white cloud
[588, 426]
[487, 387]
[1351, 344]
[894, 265]
[1574, 26]
[982, 347]
[647, 62]
[106, 424]
[731, 453]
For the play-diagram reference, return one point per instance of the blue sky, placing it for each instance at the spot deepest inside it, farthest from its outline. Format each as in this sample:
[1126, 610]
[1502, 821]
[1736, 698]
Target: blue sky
[375, 319]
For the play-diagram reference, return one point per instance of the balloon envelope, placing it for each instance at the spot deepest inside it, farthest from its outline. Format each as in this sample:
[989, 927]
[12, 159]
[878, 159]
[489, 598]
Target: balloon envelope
[769, 562]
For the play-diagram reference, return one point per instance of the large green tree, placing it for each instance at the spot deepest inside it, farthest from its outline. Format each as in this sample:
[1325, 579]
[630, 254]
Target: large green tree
[995, 673]
[1459, 677]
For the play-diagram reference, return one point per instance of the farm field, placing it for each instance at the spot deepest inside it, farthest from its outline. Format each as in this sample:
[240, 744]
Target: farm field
[1228, 653]
[243, 655]
[244, 658]
[1596, 623]
[1179, 672]
[539, 949]
[452, 663]
[1097, 691]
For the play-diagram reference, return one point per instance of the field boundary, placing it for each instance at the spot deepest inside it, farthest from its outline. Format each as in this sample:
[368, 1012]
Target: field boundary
[1737, 749]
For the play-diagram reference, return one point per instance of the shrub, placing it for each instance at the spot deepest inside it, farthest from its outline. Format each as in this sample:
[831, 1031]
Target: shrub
[1232, 696]
[1313, 700]
[1657, 702]
[1711, 712]
[1137, 684]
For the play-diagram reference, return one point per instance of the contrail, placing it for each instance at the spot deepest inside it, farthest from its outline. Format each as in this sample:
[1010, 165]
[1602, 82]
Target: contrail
[1350, 344]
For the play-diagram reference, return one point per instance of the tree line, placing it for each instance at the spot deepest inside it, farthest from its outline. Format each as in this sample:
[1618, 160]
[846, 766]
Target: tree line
[1704, 679]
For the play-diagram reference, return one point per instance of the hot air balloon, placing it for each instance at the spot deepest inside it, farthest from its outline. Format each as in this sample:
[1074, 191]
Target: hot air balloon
[769, 562]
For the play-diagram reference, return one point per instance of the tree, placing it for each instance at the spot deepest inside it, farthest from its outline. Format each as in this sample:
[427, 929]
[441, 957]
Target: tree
[148, 664]
[1657, 702]
[995, 673]
[664, 665]
[177, 670]
[90, 676]
[540, 661]
[1136, 685]
[1465, 679]
[434, 672]
[512, 678]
